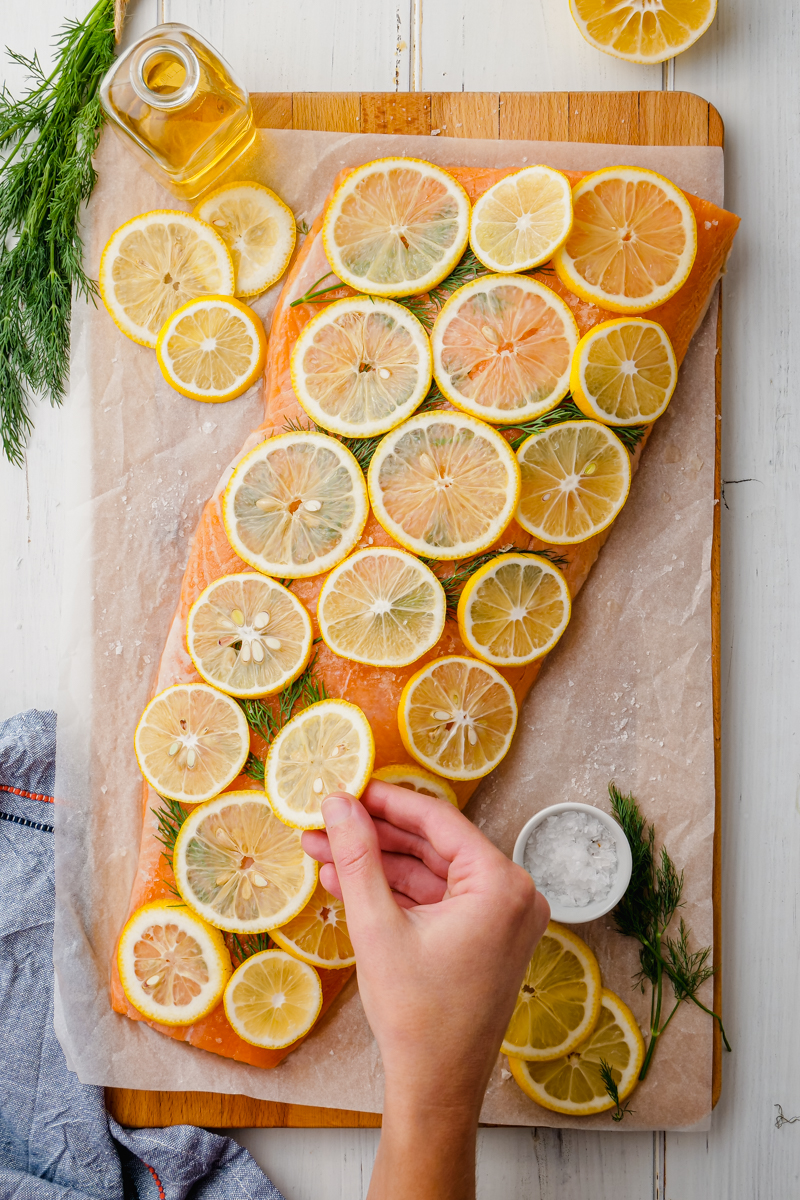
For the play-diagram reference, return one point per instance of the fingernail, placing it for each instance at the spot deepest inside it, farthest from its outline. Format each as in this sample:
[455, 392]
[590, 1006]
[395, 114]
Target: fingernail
[335, 810]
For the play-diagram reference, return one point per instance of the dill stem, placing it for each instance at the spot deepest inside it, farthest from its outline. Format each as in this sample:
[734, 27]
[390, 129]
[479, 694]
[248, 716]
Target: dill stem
[716, 1017]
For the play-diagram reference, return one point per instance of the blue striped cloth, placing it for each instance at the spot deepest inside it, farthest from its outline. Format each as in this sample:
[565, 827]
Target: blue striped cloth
[56, 1138]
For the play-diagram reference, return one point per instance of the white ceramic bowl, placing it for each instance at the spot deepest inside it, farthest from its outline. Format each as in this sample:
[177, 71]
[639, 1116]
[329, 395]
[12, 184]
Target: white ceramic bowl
[588, 912]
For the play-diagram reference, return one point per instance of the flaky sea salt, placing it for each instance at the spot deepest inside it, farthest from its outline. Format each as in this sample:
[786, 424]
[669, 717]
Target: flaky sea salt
[572, 858]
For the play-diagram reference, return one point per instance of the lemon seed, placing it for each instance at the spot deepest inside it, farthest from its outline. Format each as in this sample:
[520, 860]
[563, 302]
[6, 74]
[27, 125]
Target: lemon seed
[237, 617]
[272, 643]
[384, 374]
[312, 505]
[260, 881]
[442, 716]
[318, 784]
[174, 748]
[191, 759]
[472, 735]
[260, 620]
[152, 981]
[245, 655]
[247, 891]
[258, 651]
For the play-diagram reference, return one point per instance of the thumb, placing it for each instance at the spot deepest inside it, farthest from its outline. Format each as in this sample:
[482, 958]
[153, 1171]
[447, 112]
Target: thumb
[357, 858]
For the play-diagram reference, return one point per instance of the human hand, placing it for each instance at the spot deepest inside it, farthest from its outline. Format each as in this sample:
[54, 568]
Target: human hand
[443, 926]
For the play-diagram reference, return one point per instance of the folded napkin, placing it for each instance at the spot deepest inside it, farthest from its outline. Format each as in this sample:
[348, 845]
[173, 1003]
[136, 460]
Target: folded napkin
[56, 1139]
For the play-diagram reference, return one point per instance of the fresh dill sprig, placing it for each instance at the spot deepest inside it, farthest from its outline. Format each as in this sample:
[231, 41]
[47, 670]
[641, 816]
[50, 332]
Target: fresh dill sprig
[654, 895]
[318, 295]
[254, 768]
[427, 306]
[302, 228]
[267, 718]
[610, 1084]
[568, 410]
[170, 816]
[244, 947]
[49, 136]
[463, 571]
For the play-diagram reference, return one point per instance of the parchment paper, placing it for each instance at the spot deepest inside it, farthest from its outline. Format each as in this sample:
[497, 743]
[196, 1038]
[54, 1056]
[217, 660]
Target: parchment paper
[625, 696]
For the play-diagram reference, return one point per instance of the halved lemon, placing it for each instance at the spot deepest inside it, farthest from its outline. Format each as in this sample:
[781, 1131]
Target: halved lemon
[296, 505]
[396, 227]
[572, 1083]
[239, 867]
[173, 967]
[514, 609]
[522, 219]
[361, 366]
[624, 372]
[633, 240]
[318, 935]
[191, 742]
[212, 348]
[154, 264]
[575, 479]
[325, 748]
[381, 606]
[248, 636]
[502, 348]
[457, 717]
[559, 1000]
[273, 999]
[258, 229]
[416, 779]
[643, 31]
[444, 485]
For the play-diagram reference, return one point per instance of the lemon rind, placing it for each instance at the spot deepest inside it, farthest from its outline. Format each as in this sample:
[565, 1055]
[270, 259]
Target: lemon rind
[256, 370]
[230, 1011]
[526, 264]
[259, 187]
[577, 373]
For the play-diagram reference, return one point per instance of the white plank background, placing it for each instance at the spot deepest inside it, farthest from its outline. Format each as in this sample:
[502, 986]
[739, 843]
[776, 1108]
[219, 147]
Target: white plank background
[746, 65]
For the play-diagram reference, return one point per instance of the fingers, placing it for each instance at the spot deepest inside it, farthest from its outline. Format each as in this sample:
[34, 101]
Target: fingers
[330, 880]
[391, 840]
[441, 825]
[361, 880]
[404, 873]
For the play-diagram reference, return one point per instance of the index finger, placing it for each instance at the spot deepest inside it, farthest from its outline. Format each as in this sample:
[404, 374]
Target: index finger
[447, 830]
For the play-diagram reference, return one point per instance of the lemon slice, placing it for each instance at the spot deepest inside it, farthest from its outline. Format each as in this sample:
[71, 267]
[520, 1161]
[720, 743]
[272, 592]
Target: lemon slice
[633, 240]
[156, 263]
[241, 868]
[258, 229]
[559, 1000]
[409, 775]
[444, 485]
[383, 607]
[502, 348]
[212, 348]
[522, 219]
[643, 31]
[396, 227]
[575, 479]
[513, 610]
[248, 636]
[296, 505]
[624, 372]
[325, 748]
[572, 1083]
[457, 717]
[191, 742]
[173, 967]
[361, 366]
[318, 935]
[273, 999]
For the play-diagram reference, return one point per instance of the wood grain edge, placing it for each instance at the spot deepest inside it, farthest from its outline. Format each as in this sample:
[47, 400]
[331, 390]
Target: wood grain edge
[137, 1109]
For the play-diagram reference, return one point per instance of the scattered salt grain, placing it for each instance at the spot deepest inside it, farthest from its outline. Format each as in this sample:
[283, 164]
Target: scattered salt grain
[572, 858]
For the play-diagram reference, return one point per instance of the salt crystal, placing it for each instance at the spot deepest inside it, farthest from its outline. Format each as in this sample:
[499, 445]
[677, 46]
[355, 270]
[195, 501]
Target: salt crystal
[572, 858]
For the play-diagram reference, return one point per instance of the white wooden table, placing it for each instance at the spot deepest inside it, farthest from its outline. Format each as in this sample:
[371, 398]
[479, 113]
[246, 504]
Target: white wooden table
[746, 65]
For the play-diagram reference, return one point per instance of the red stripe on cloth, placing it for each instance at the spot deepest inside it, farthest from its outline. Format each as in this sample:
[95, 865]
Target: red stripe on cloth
[4, 787]
[162, 1195]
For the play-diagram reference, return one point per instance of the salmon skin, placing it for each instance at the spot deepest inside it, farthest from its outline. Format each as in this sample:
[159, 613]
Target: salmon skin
[376, 690]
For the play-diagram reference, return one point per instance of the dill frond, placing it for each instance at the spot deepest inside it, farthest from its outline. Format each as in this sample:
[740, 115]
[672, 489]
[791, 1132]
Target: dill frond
[170, 816]
[245, 946]
[610, 1084]
[463, 571]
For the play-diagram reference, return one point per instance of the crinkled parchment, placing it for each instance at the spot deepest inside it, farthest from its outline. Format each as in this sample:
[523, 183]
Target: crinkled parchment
[625, 696]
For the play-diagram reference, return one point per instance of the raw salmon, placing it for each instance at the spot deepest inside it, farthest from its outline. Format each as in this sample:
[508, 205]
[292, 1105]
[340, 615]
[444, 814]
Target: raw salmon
[375, 690]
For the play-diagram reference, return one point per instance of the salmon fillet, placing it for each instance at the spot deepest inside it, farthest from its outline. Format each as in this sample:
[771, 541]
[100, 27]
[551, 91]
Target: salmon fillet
[375, 690]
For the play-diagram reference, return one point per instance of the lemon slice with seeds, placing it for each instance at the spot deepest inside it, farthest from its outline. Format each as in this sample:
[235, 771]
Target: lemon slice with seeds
[457, 717]
[559, 1000]
[296, 505]
[173, 967]
[191, 742]
[572, 1083]
[383, 607]
[241, 868]
[633, 240]
[396, 227]
[248, 636]
[409, 775]
[361, 366]
[514, 609]
[444, 485]
[502, 348]
[624, 372]
[212, 349]
[258, 229]
[522, 219]
[318, 935]
[643, 31]
[273, 999]
[575, 479]
[325, 748]
[156, 263]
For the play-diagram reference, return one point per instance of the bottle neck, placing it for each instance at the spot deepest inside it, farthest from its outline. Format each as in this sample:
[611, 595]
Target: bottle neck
[165, 74]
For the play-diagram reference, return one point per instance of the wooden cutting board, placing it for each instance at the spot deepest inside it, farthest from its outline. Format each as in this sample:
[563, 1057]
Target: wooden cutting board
[621, 118]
